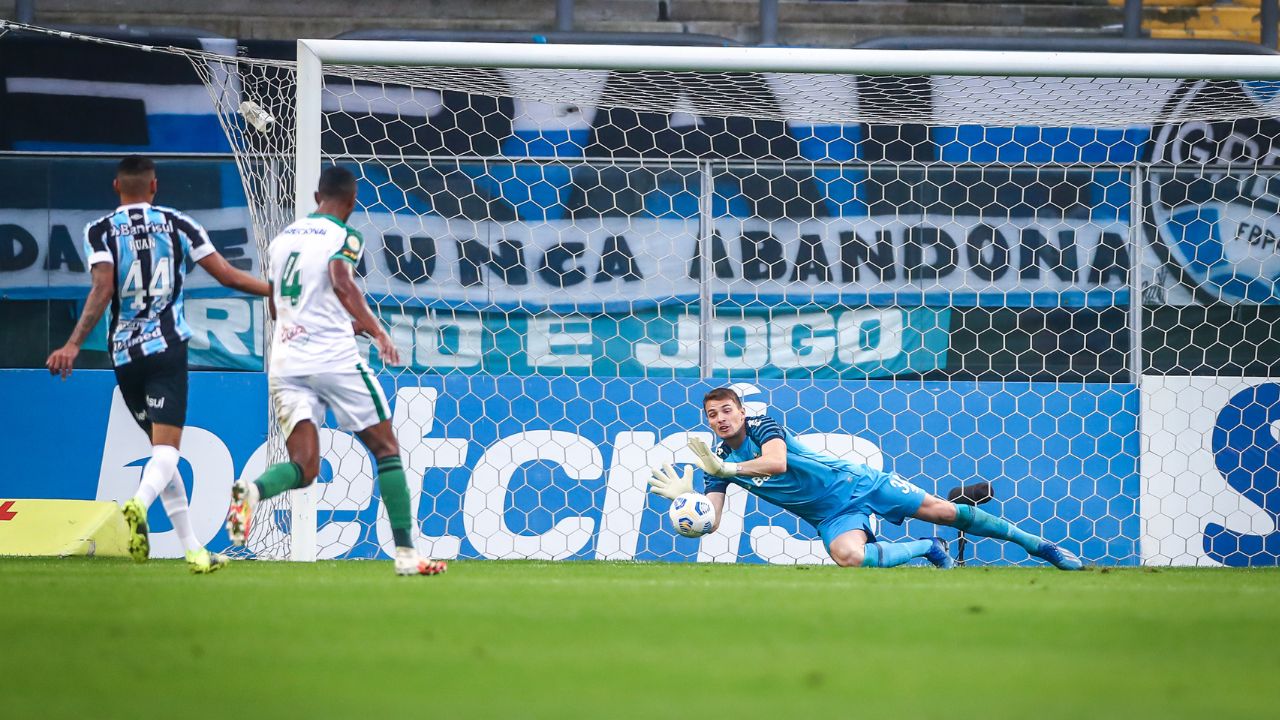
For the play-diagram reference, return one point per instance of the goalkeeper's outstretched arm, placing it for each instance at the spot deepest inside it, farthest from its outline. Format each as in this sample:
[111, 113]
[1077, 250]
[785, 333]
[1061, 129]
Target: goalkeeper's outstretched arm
[717, 502]
[671, 484]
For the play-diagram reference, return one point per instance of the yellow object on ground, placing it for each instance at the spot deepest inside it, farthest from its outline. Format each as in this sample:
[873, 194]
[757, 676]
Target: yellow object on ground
[61, 528]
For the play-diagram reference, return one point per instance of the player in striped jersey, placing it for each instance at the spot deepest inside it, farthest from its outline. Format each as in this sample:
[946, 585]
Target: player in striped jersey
[315, 364]
[137, 258]
[836, 496]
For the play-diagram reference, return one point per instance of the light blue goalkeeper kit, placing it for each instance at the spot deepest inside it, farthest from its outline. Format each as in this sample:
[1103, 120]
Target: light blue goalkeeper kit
[150, 246]
[832, 494]
[837, 496]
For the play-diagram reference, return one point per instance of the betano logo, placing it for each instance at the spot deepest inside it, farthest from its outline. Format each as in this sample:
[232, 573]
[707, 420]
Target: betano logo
[491, 489]
[1246, 451]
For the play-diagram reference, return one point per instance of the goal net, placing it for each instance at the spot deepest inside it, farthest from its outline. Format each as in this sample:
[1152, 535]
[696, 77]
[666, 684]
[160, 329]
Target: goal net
[1052, 273]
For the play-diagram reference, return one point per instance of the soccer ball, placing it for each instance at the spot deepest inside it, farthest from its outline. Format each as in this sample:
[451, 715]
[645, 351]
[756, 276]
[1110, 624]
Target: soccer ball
[692, 515]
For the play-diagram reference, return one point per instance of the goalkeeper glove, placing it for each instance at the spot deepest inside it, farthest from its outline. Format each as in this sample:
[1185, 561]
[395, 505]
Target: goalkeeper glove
[670, 484]
[710, 463]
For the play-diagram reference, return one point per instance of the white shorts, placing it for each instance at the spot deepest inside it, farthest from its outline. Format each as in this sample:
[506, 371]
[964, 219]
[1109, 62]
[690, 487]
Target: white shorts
[355, 397]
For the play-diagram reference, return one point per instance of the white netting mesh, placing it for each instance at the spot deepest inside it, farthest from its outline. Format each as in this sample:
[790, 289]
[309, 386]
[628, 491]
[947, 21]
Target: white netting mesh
[931, 275]
[575, 248]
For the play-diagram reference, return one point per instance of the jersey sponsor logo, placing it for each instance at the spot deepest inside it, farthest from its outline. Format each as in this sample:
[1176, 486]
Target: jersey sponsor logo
[304, 230]
[124, 344]
[289, 333]
[141, 228]
[1213, 197]
[157, 403]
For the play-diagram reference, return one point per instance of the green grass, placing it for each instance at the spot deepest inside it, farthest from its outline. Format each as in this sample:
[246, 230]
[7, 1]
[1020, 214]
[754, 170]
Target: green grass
[101, 639]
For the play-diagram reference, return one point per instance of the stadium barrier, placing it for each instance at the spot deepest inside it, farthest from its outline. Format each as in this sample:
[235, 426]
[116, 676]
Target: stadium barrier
[62, 528]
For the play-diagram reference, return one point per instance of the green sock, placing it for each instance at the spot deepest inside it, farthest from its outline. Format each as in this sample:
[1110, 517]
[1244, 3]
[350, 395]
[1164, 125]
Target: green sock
[395, 495]
[279, 478]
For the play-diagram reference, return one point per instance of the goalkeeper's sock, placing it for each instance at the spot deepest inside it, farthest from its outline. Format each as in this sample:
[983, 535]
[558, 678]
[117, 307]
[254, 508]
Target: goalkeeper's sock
[883, 554]
[174, 498]
[982, 523]
[279, 478]
[395, 496]
[156, 473]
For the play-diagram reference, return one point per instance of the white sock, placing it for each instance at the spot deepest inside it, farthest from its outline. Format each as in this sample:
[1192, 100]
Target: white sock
[161, 468]
[174, 498]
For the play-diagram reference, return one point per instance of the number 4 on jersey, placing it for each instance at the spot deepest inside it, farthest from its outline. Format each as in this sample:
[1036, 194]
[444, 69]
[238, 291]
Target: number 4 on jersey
[290, 280]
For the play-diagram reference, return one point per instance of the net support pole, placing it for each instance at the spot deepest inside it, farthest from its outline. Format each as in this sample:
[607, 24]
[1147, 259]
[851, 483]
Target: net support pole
[564, 15]
[307, 176]
[1133, 19]
[1269, 18]
[706, 236]
[768, 22]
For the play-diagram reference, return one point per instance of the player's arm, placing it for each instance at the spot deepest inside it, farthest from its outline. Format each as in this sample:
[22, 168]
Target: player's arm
[772, 460]
[201, 251]
[717, 502]
[670, 484]
[341, 276]
[63, 359]
[231, 277]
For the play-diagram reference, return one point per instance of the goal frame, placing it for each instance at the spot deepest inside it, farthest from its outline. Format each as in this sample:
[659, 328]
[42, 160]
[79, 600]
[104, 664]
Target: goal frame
[314, 54]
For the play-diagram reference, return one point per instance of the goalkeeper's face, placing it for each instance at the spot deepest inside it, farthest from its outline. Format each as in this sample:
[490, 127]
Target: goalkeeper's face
[725, 417]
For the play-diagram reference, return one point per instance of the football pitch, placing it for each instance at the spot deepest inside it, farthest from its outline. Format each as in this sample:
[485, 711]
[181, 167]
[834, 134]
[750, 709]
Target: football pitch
[106, 638]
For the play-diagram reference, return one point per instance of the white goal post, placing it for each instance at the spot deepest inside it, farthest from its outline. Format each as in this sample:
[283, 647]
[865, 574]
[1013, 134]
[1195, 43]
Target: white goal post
[1006, 96]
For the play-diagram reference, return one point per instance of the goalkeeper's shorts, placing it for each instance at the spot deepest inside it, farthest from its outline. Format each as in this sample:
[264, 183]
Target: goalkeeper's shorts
[892, 499]
[356, 399]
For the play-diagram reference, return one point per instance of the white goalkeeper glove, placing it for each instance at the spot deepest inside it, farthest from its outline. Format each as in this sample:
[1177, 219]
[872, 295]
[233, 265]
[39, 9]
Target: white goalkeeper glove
[670, 484]
[710, 463]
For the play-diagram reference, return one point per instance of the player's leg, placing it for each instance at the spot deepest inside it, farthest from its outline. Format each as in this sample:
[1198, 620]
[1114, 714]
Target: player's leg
[165, 390]
[977, 521]
[894, 500]
[359, 405]
[298, 410]
[848, 540]
[135, 380]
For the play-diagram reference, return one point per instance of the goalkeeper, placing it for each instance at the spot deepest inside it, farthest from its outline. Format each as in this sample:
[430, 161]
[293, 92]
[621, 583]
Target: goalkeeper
[837, 496]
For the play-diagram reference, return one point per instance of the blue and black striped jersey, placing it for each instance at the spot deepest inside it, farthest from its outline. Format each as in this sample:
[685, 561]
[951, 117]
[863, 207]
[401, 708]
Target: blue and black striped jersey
[149, 246]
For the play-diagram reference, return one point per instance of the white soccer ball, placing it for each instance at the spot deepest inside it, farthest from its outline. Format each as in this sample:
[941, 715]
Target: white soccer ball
[692, 515]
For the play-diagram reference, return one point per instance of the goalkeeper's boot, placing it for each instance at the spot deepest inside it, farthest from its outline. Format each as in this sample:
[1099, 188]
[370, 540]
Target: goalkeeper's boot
[203, 562]
[1060, 558]
[241, 511]
[135, 518]
[939, 556]
[409, 563]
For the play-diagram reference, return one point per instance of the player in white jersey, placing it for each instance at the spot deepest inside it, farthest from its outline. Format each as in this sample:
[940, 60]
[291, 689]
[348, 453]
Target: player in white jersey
[315, 364]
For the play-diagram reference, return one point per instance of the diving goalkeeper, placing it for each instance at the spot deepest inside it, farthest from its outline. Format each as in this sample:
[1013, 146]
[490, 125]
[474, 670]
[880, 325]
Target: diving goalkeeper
[836, 496]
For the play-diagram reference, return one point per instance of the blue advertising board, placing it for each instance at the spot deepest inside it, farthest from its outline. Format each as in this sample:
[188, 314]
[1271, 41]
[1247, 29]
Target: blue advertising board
[555, 467]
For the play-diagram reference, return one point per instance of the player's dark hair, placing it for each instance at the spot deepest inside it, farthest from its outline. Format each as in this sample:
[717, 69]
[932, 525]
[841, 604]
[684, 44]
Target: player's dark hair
[134, 175]
[135, 165]
[337, 183]
[722, 393]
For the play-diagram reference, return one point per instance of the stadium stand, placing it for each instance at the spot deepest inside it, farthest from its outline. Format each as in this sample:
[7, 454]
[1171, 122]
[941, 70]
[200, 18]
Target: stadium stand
[801, 22]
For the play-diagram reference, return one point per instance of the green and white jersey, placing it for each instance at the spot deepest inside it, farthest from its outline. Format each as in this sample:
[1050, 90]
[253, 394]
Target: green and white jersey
[313, 331]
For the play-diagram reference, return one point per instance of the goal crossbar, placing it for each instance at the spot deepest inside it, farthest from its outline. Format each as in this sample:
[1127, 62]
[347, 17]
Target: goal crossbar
[792, 60]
